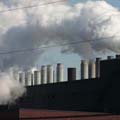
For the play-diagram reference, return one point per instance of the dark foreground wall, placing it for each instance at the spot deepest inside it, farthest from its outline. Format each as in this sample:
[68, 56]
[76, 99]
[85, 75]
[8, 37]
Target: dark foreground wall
[9, 112]
[81, 95]
[75, 95]
[110, 75]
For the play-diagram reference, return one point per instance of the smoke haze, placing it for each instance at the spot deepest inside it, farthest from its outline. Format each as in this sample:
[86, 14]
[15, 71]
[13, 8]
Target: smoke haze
[10, 89]
[56, 24]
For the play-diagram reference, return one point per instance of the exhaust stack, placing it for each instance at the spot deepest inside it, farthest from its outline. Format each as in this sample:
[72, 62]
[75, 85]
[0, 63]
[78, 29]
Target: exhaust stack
[92, 69]
[22, 78]
[110, 57]
[60, 73]
[71, 74]
[43, 75]
[84, 69]
[98, 67]
[117, 56]
[50, 73]
[32, 79]
[37, 77]
[28, 78]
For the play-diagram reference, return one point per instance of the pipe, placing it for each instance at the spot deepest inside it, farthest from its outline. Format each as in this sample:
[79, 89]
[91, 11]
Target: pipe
[71, 74]
[117, 56]
[84, 69]
[50, 73]
[16, 76]
[28, 79]
[43, 75]
[32, 80]
[98, 67]
[60, 72]
[54, 76]
[37, 77]
[22, 78]
[92, 69]
[109, 57]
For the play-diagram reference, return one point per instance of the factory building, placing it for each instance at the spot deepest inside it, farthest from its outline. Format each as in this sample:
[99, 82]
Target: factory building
[97, 90]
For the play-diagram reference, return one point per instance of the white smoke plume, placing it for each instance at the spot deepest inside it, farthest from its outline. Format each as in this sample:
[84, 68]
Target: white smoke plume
[10, 89]
[56, 24]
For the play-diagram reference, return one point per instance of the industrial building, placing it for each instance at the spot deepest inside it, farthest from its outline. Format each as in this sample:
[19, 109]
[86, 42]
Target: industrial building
[50, 97]
[97, 91]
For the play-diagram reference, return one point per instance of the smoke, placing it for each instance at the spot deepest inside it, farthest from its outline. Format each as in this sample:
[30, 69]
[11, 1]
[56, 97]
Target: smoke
[56, 24]
[10, 89]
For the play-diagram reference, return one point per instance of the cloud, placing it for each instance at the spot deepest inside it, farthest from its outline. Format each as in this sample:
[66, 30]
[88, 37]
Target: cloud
[56, 24]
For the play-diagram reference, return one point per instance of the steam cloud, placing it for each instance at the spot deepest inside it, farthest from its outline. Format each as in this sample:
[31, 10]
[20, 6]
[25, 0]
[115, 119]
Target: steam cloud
[56, 24]
[10, 89]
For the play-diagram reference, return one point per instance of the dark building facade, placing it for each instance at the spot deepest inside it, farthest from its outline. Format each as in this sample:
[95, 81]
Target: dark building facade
[9, 112]
[97, 95]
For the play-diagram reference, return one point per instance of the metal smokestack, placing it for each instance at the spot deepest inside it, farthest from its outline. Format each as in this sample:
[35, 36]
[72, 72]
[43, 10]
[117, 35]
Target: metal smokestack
[117, 56]
[32, 79]
[43, 75]
[98, 67]
[60, 72]
[37, 77]
[110, 57]
[28, 78]
[54, 76]
[92, 69]
[50, 74]
[84, 69]
[16, 76]
[71, 74]
[22, 78]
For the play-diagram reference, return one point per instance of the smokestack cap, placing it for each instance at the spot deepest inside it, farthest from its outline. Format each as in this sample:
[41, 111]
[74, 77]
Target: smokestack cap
[110, 57]
[118, 56]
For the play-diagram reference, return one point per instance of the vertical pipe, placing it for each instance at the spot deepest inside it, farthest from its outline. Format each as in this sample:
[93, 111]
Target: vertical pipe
[98, 67]
[84, 69]
[117, 56]
[16, 76]
[28, 78]
[60, 72]
[43, 75]
[109, 57]
[32, 80]
[40, 76]
[50, 74]
[92, 69]
[54, 76]
[37, 77]
[22, 78]
[71, 74]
